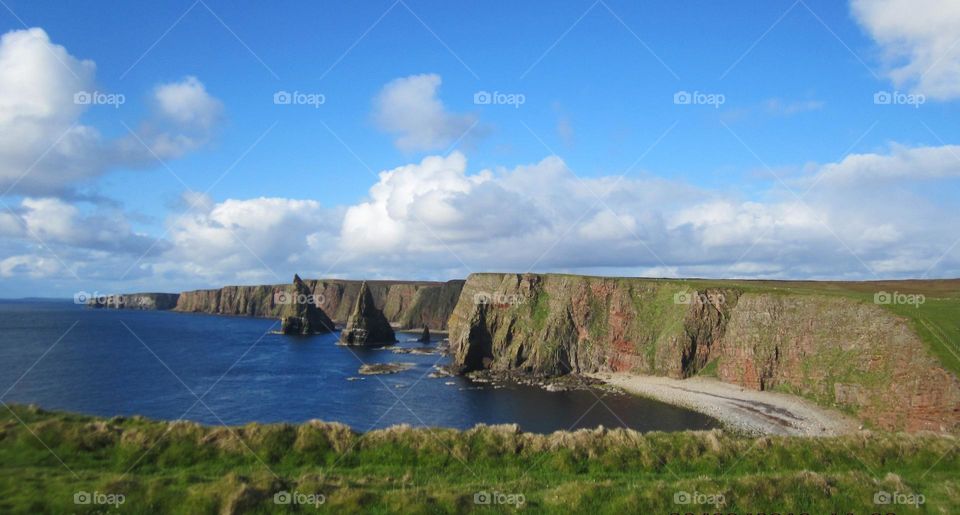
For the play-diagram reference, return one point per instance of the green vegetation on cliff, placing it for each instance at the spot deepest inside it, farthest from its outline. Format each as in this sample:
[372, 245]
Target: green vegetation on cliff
[936, 318]
[887, 352]
[182, 467]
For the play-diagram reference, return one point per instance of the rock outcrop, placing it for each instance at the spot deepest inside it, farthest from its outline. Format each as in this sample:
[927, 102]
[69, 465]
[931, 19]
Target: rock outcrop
[150, 301]
[299, 313]
[836, 350]
[425, 335]
[367, 324]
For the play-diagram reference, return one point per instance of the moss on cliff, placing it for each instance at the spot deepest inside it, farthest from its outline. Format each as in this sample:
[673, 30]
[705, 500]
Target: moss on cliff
[825, 342]
[556, 323]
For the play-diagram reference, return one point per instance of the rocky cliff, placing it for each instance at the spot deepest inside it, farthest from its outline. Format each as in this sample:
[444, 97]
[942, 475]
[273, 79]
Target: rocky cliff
[161, 301]
[837, 350]
[406, 304]
[300, 314]
[367, 324]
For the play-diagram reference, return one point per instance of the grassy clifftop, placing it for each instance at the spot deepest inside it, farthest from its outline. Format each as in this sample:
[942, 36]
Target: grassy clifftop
[886, 352]
[160, 467]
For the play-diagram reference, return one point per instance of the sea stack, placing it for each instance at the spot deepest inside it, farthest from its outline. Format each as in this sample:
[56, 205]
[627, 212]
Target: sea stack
[299, 314]
[367, 325]
[425, 337]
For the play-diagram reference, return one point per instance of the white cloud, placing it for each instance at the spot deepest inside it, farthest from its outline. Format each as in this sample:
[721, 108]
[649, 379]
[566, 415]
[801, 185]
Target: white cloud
[436, 204]
[900, 163]
[186, 117]
[919, 39]
[436, 213]
[265, 235]
[34, 267]
[55, 222]
[409, 109]
[607, 225]
[726, 223]
[38, 115]
[437, 219]
[45, 149]
[188, 103]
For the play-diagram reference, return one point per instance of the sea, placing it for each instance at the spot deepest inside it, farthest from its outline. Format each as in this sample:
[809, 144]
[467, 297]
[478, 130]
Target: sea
[224, 370]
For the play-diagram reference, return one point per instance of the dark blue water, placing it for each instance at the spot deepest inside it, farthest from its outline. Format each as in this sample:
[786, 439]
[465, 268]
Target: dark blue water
[107, 362]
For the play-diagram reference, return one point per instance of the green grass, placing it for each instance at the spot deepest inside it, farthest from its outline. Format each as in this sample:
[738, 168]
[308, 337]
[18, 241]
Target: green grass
[710, 369]
[540, 310]
[187, 468]
[937, 321]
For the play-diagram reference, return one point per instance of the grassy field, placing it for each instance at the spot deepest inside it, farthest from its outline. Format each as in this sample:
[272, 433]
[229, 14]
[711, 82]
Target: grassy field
[159, 467]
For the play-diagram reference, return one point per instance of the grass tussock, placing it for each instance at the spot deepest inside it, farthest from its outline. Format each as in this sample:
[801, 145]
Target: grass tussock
[183, 467]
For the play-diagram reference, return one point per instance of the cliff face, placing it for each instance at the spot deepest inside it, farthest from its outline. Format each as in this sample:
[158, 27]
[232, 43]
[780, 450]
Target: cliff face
[367, 324]
[161, 301]
[407, 305]
[838, 351]
[300, 314]
[835, 350]
[554, 324]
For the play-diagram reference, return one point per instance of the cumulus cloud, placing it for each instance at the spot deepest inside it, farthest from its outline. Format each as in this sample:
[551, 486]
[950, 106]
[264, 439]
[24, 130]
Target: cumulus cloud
[409, 109]
[186, 118]
[257, 239]
[188, 103]
[436, 204]
[49, 238]
[52, 221]
[45, 149]
[542, 217]
[919, 41]
[38, 115]
[437, 218]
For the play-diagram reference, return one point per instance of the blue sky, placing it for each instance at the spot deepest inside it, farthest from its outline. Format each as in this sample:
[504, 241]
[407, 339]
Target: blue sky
[706, 189]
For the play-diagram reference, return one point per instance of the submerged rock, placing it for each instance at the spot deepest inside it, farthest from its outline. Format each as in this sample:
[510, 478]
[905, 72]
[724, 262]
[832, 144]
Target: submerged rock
[421, 351]
[384, 368]
[299, 314]
[425, 337]
[367, 325]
